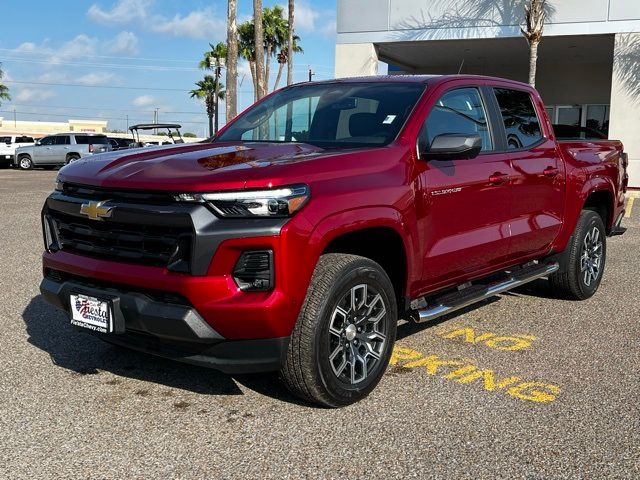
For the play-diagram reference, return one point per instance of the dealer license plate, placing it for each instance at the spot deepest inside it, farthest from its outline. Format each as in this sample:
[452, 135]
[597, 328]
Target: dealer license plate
[92, 313]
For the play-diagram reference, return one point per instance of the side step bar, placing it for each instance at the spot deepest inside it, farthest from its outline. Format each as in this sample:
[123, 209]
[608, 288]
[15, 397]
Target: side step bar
[447, 303]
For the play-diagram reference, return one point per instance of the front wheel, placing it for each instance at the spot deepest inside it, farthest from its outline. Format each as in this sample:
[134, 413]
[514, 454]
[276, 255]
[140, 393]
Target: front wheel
[584, 261]
[342, 341]
[25, 163]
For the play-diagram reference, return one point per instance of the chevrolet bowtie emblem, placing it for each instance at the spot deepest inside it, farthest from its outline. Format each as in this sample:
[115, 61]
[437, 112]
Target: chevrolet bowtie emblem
[96, 210]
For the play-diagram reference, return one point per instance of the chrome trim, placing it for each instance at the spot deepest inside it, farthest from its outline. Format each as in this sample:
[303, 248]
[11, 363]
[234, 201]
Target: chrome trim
[495, 289]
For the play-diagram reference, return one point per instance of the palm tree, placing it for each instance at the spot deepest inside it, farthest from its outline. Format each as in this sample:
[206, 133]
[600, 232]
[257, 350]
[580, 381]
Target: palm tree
[4, 90]
[283, 58]
[535, 15]
[212, 61]
[232, 60]
[275, 36]
[290, 43]
[209, 90]
[247, 50]
[259, 47]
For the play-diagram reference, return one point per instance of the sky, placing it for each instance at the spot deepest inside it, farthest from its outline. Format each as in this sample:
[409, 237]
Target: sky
[120, 60]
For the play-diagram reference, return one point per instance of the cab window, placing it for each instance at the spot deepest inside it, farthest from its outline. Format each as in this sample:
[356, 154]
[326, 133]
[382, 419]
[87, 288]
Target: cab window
[459, 111]
[47, 141]
[519, 117]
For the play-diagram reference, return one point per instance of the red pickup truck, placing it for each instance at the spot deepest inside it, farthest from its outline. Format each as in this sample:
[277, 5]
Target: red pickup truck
[295, 239]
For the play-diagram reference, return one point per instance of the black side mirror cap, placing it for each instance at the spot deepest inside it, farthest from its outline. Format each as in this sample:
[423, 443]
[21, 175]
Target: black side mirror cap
[452, 146]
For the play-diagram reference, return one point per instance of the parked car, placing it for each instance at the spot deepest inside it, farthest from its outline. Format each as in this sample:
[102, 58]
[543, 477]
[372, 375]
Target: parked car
[60, 149]
[8, 145]
[401, 198]
[118, 143]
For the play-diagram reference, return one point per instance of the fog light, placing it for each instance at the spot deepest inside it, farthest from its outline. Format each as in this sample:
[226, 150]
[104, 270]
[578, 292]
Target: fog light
[254, 271]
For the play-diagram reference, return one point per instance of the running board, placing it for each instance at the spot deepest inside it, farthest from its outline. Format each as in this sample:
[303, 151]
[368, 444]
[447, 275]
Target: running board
[447, 303]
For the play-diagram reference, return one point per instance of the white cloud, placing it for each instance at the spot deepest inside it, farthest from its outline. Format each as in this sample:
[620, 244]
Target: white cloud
[124, 11]
[144, 101]
[80, 46]
[305, 17]
[204, 23]
[197, 24]
[32, 95]
[311, 20]
[97, 78]
[123, 43]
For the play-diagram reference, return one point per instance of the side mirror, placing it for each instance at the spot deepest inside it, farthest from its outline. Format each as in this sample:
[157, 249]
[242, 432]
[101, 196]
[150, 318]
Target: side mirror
[452, 146]
[38, 142]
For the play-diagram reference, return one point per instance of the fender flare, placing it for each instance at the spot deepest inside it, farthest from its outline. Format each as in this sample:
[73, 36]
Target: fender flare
[353, 220]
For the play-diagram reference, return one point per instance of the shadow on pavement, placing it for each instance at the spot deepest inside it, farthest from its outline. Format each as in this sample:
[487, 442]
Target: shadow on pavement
[85, 354]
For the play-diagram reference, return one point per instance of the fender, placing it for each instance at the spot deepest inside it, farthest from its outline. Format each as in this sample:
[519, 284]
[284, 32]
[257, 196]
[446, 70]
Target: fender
[352, 220]
[575, 204]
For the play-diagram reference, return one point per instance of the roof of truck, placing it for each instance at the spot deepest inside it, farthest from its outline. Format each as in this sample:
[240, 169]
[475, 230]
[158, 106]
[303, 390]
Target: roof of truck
[432, 79]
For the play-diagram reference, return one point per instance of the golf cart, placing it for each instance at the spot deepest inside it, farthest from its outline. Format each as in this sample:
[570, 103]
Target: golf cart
[173, 133]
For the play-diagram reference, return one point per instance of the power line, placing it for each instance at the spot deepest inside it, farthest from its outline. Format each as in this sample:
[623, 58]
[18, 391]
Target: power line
[115, 109]
[84, 117]
[117, 87]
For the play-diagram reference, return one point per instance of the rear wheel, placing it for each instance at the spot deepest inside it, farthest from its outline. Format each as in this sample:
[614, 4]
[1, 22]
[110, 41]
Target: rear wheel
[342, 341]
[25, 163]
[584, 260]
[72, 158]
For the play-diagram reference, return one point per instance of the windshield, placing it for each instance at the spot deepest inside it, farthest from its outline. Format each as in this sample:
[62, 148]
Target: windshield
[329, 115]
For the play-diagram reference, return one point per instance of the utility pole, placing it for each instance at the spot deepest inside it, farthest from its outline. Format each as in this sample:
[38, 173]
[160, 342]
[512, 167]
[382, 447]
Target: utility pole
[155, 120]
[127, 122]
[311, 74]
[216, 100]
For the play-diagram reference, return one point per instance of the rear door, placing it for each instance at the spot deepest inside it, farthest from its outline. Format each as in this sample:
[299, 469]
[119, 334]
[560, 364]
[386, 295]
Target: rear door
[60, 149]
[538, 173]
[467, 201]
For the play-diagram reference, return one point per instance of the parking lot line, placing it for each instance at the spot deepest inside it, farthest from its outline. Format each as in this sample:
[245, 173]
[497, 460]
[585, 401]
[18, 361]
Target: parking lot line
[629, 208]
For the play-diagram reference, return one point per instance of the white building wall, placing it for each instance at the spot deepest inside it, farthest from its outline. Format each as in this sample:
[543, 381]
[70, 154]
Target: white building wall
[625, 100]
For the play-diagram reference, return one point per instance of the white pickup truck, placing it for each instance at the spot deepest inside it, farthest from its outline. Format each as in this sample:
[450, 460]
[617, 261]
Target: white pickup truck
[8, 145]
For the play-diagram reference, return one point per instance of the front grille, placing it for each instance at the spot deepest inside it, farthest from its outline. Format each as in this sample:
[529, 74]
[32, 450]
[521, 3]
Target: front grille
[160, 246]
[133, 196]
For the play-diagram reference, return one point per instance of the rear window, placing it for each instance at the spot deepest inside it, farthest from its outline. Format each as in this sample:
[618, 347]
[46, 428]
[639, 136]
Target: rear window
[520, 119]
[91, 140]
[24, 140]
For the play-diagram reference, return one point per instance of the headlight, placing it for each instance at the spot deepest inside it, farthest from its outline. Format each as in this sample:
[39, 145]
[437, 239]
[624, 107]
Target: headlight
[59, 185]
[279, 202]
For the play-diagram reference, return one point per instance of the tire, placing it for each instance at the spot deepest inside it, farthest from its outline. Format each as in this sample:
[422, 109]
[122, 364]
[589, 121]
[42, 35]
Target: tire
[584, 259]
[25, 163]
[330, 361]
[72, 158]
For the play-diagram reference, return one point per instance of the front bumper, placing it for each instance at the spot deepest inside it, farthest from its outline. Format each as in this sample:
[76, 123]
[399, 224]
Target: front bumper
[171, 328]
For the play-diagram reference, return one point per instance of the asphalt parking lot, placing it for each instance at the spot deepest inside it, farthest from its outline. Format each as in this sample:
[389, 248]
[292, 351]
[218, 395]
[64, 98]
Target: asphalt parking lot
[523, 386]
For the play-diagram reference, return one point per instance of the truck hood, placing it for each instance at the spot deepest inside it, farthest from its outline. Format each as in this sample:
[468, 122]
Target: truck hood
[194, 167]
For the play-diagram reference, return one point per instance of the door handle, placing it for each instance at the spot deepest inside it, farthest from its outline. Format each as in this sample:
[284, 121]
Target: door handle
[498, 178]
[550, 172]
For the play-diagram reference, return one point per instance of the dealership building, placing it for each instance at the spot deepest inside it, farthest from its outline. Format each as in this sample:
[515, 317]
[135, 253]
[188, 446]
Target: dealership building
[588, 60]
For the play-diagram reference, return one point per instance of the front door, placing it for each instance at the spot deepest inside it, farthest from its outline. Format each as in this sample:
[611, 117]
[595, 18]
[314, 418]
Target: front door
[467, 201]
[43, 151]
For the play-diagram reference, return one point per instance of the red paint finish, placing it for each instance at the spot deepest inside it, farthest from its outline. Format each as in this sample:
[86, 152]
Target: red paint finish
[499, 209]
